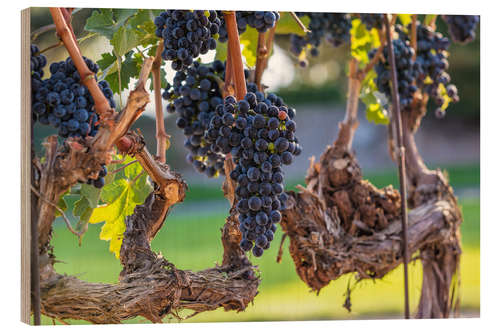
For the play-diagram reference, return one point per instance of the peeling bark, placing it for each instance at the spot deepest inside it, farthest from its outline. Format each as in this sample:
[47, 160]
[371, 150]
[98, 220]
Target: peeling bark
[342, 224]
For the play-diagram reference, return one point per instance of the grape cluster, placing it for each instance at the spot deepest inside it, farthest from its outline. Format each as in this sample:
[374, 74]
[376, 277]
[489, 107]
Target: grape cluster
[262, 21]
[372, 20]
[194, 96]
[462, 27]
[64, 103]
[333, 27]
[38, 62]
[407, 71]
[259, 133]
[186, 34]
[432, 64]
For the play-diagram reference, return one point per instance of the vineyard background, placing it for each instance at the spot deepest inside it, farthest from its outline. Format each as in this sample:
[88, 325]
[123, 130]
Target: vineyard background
[191, 236]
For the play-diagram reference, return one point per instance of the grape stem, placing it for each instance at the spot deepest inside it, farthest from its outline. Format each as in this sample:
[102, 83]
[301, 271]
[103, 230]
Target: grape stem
[161, 134]
[413, 40]
[235, 51]
[68, 38]
[299, 22]
[350, 123]
[396, 117]
[264, 48]
[43, 29]
[60, 43]
[123, 167]
[228, 82]
[137, 101]
[269, 43]
[261, 59]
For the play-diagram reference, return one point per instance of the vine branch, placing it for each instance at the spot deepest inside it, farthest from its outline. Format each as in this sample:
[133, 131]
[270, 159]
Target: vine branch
[299, 22]
[413, 39]
[264, 50]
[87, 76]
[396, 114]
[350, 123]
[235, 51]
[262, 53]
[228, 80]
[42, 30]
[63, 215]
[161, 134]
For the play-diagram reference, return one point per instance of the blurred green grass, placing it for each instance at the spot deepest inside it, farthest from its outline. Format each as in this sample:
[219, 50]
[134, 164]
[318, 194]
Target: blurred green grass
[192, 241]
[460, 176]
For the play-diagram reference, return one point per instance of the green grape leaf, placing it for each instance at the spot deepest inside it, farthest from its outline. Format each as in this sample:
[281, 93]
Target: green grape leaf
[124, 40]
[91, 193]
[120, 197]
[249, 40]
[129, 68]
[141, 16]
[146, 34]
[81, 206]
[62, 204]
[121, 15]
[108, 21]
[221, 51]
[405, 18]
[288, 25]
[101, 21]
[89, 199]
[107, 64]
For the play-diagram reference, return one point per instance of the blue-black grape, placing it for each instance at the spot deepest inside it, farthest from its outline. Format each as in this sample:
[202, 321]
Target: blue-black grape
[431, 66]
[63, 102]
[462, 28]
[258, 159]
[372, 20]
[332, 27]
[186, 34]
[196, 98]
[262, 21]
[407, 72]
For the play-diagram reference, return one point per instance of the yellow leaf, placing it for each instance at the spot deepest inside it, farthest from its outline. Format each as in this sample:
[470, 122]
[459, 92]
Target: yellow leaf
[115, 245]
[405, 18]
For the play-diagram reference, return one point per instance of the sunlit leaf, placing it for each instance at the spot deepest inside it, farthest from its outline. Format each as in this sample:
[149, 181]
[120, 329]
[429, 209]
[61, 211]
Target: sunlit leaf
[429, 18]
[249, 40]
[221, 51]
[120, 198]
[405, 18]
[288, 25]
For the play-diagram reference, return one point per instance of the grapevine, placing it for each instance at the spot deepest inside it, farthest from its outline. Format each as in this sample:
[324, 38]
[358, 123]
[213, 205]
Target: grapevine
[337, 223]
